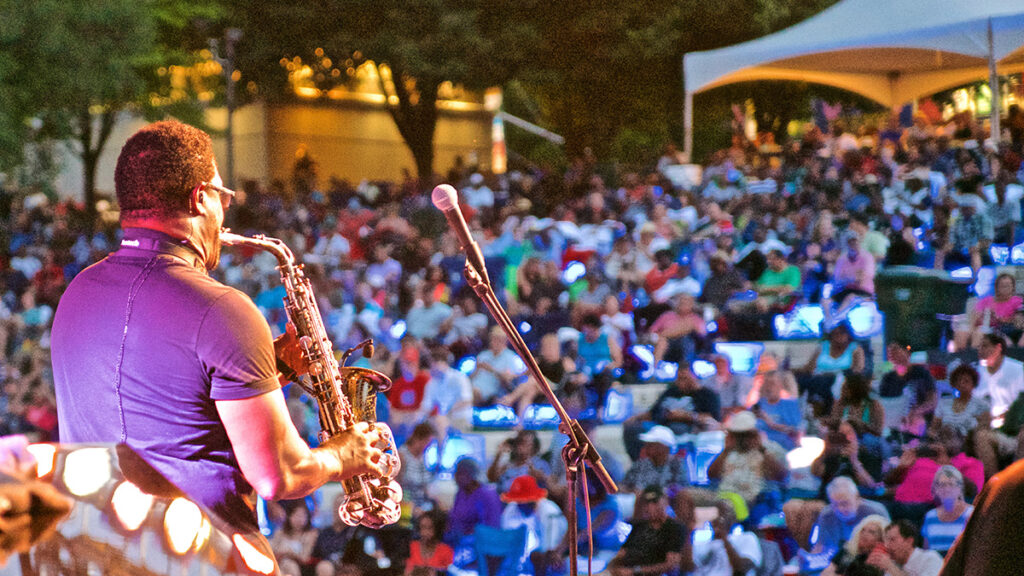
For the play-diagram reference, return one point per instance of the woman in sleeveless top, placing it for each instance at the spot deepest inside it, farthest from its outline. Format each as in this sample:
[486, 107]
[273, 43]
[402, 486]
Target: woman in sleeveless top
[838, 354]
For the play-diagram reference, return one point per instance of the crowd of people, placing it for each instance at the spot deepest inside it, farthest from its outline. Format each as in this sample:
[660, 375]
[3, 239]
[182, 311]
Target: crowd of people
[593, 266]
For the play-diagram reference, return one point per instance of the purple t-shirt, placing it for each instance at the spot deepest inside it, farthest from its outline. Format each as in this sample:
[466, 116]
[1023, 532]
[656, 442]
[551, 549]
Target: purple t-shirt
[183, 341]
[482, 506]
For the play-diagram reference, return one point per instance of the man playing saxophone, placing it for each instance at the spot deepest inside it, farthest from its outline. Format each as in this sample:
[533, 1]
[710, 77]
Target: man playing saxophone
[149, 350]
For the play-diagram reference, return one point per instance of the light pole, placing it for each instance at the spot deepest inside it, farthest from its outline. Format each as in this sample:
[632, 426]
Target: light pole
[227, 64]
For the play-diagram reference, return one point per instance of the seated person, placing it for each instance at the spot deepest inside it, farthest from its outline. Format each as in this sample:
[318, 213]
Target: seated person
[653, 545]
[914, 383]
[560, 373]
[606, 524]
[779, 418]
[448, 396]
[856, 406]
[900, 555]
[727, 552]
[843, 456]
[746, 467]
[994, 312]
[944, 523]
[733, 389]
[598, 355]
[966, 411]
[414, 477]
[845, 510]
[475, 503]
[854, 276]
[969, 236]
[684, 407]
[516, 457]
[778, 284]
[1001, 381]
[839, 353]
[427, 550]
[852, 559]
[526, 504]
[723, 283]
[678, 332]
[656, 465]
[497, 369]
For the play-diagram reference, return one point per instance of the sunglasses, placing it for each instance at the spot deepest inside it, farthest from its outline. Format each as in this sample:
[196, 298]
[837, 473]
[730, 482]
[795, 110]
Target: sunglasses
[224, 192]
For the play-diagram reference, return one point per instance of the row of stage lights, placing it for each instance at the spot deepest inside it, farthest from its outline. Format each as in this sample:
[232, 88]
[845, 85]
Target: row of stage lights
[91, 475]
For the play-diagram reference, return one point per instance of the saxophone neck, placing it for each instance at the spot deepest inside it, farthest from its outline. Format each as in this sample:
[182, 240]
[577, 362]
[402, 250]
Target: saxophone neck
[275, 246]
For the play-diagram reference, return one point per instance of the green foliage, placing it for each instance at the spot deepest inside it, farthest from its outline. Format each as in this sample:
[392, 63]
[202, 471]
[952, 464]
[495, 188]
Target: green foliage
[472, 43]
[67, 68]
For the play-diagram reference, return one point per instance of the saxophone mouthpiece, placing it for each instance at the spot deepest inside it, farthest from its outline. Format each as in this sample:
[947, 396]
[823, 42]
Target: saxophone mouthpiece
[368, 350]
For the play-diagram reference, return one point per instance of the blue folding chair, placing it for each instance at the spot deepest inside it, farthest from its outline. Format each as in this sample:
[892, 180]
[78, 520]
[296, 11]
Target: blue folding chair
[499, 552]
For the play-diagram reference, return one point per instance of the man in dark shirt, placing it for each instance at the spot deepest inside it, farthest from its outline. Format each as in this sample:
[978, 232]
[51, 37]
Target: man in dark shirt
[723, 283]
[148, 350]
[653, 546]
[684, 407]
[912, 381]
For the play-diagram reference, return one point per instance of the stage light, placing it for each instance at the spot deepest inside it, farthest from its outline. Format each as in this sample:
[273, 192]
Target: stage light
[963, 273]
[131, 505]
[802, 456]
[573, 272]
[703, 369]
[254, 559]
[46, 458]
[182, 523]
[467, 365]
[86, 470]
[666, 371]
[397, 330]
[1000, 254]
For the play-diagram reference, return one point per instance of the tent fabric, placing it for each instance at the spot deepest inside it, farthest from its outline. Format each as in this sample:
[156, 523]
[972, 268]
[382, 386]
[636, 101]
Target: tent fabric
[892, 51]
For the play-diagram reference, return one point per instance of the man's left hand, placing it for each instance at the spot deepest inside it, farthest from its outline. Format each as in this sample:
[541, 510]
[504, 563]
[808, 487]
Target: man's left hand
[288, 350]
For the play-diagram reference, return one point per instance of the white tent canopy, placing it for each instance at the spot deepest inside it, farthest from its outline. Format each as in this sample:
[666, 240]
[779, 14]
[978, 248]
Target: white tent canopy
[892, 51]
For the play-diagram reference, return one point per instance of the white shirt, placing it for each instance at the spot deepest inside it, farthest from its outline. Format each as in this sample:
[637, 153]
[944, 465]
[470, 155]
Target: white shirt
[711, 559]
[922, 563]
[676, 286]
[1002, 387]
[545, 528]
[444, 392]
[505, 362]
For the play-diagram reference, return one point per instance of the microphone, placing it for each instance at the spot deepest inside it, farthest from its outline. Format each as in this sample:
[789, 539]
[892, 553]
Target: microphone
[446, 200]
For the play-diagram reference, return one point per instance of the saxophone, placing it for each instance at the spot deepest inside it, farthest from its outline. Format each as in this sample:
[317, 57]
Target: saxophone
[344, 394]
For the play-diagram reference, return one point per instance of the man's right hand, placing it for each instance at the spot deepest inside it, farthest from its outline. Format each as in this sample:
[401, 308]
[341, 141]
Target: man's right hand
[359, 450]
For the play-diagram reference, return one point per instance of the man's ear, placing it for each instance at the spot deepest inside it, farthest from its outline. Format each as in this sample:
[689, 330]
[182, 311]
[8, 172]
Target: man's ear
[195, 198]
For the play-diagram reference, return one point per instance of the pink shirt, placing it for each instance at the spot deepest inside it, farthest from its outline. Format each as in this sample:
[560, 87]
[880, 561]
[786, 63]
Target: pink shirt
[917, 484]
[1002, 312]
[672, 318]
[971, 468]
[847, 270]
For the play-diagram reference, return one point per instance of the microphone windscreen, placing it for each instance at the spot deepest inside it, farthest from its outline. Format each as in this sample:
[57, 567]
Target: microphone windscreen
[444, 197]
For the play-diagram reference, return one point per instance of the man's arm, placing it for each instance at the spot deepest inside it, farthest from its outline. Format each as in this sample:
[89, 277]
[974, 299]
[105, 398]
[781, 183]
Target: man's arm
[275, 459]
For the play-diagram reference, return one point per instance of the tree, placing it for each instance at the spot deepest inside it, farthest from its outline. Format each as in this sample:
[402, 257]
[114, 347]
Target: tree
[73, 66]
[610, 71]
[417, 44]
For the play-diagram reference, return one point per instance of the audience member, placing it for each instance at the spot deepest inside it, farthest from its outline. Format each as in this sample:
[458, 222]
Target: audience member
[901, 555]
[653, 545]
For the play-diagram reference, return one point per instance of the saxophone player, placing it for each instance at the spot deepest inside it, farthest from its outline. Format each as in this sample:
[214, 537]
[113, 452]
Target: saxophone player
[149, 350]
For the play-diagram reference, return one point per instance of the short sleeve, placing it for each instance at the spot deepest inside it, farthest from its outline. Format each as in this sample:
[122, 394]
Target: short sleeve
[236, 349]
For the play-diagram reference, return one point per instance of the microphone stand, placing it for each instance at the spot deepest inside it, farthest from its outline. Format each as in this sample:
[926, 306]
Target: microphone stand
[579, 451]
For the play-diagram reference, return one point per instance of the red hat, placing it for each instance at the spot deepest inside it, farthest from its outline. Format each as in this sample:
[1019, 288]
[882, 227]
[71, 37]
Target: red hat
[524, 489]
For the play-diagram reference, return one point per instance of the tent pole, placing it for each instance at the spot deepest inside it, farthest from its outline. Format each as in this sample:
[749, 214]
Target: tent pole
[993, 84]
[688, 126]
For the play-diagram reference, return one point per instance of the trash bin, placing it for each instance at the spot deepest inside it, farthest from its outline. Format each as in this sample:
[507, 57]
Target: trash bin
[913, 299]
